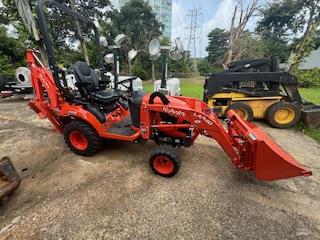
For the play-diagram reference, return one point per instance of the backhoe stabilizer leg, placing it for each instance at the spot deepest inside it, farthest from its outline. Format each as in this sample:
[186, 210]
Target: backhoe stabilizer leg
[259, 153]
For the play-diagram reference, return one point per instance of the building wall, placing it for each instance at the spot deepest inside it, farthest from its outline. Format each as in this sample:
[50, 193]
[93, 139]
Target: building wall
[163, 11]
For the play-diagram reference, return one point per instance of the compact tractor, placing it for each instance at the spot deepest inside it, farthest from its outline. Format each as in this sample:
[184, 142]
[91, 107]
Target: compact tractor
[92, 114]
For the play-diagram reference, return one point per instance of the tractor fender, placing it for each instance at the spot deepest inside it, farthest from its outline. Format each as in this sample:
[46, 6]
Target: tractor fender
[84, 115]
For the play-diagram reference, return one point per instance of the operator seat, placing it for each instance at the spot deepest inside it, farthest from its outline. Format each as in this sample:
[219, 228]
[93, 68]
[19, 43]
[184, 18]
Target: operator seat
[90, 87]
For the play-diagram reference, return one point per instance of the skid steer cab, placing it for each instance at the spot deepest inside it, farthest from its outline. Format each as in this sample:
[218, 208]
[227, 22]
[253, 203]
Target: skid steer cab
[92, 114]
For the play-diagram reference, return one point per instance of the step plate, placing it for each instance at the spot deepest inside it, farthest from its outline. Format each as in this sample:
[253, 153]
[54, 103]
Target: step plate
[122, 128]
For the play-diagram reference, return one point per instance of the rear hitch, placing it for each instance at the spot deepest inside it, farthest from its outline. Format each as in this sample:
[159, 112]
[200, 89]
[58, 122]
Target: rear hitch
[9, 178]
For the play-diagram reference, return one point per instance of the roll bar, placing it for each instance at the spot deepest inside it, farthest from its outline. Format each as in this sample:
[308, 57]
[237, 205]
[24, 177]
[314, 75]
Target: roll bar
[43, 25]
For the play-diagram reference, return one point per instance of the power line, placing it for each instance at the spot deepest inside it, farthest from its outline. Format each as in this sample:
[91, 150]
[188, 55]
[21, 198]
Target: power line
[195, 16]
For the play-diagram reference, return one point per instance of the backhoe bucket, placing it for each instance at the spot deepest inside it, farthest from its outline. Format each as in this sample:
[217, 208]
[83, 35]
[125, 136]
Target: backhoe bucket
[261, 154]
[9, 178]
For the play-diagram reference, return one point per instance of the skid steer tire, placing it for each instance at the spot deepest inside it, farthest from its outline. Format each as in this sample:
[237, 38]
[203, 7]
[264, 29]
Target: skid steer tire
[81, 138]
[164, 161]
[243, 110]
[283, 115]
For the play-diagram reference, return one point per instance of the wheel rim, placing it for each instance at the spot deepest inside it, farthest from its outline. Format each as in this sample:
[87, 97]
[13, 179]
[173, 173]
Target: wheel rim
[242, 113]
[163, 165]
[78, 140]
[284, 115]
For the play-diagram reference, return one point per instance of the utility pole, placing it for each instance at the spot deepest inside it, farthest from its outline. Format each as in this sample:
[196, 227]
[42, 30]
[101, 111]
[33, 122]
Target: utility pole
[195, 16]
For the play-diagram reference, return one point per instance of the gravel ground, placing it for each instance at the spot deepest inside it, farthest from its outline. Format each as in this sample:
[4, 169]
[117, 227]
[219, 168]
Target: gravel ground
[114, 195]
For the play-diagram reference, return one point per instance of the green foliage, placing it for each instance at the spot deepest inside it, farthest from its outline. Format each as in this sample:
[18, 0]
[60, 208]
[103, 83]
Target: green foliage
[317, 40]
[217, 48]
[139, 23]
[12, 53]
[278, 22]
[281, 20]
[205, 67]
[308, 78]
[140, 71]
[310, 131]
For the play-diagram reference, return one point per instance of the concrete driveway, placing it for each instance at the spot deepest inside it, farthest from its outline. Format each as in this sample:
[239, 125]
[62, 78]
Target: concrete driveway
[114, 195]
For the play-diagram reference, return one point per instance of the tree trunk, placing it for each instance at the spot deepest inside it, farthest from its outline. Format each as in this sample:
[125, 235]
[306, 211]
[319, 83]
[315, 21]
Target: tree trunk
[301, 47]
[231, 37]
[80, 35]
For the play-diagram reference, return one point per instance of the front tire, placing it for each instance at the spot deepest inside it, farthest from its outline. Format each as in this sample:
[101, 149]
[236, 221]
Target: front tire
[81, 138]
[164, 161]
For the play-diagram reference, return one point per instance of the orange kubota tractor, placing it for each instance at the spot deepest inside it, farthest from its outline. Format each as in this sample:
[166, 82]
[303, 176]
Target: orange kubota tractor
[92, 114]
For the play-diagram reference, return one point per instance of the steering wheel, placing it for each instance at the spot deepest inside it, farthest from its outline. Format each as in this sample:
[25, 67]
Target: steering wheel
[130, 80]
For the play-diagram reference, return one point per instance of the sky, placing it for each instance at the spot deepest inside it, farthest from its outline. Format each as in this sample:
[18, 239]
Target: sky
[215, 14]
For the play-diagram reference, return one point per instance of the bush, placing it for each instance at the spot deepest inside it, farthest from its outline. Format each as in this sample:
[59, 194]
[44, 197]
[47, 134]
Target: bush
[206, 68]
[140, 71]
[308, 78]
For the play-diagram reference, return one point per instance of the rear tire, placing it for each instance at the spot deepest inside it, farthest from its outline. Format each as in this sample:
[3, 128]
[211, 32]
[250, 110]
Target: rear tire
[283, 115]
[81, 138]
[164, 161]
[243, 110]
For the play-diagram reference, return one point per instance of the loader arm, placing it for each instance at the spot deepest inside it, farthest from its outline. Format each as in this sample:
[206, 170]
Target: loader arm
[249, 148]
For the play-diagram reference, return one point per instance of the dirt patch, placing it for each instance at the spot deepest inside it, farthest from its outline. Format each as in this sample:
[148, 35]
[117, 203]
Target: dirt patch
[114, 195]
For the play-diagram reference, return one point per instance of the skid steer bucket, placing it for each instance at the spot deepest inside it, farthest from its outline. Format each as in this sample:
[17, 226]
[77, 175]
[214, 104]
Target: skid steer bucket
[260, 154]
[310, 115]
[9, 178]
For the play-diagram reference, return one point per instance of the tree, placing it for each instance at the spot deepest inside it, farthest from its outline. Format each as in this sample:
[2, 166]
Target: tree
[218, 44]
[282, 20]
[317, 40]
[242, 13]
[137, 21]
[311, 9]
[12, 53]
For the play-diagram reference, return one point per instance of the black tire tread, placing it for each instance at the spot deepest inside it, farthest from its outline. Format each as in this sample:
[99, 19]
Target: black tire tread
[170, 152]
[274, 107]
[95, 142]
[240, 105]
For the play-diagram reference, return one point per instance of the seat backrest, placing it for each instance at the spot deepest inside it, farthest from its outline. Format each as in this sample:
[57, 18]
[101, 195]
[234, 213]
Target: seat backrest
[135, 105]
[85, 74]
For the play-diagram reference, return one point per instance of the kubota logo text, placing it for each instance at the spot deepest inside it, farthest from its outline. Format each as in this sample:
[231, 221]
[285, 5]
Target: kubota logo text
[174, 112]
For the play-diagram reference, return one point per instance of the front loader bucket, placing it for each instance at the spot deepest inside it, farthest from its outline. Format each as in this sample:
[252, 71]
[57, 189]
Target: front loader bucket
[261, 154]
[9, 178]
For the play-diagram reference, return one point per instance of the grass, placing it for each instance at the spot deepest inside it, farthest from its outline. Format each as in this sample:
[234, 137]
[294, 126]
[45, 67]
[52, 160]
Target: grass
[311, 132]
[194, 88]
[311, 94]
[189, 87]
